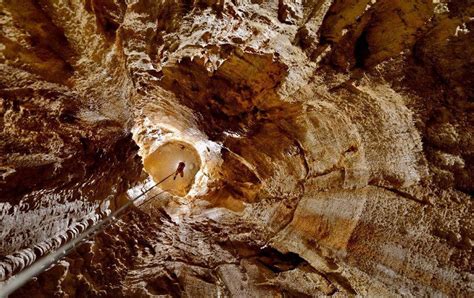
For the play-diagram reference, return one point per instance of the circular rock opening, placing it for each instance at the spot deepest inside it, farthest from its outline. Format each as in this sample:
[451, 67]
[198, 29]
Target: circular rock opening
[166, 159]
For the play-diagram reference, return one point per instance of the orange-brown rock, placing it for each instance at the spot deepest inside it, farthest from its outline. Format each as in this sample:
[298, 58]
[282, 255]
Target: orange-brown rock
[329, 144]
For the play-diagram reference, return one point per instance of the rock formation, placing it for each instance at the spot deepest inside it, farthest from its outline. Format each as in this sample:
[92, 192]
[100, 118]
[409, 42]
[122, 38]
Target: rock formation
[329, 146]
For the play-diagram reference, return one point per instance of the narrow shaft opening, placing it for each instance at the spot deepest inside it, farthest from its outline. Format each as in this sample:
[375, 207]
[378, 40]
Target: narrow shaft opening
[166, 160]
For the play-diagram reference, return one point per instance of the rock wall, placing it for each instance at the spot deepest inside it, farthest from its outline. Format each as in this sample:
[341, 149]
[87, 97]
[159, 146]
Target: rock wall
[65, 142]
[335, 139]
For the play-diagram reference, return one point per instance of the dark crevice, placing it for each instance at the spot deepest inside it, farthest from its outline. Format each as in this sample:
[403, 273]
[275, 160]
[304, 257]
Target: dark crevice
[401, 194]
[361, 50]
[279, 262]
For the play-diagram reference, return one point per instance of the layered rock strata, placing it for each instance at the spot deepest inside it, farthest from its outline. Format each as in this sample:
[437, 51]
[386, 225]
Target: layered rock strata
[334, 139]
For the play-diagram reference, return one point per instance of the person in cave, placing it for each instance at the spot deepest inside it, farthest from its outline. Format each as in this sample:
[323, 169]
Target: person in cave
[179, 170]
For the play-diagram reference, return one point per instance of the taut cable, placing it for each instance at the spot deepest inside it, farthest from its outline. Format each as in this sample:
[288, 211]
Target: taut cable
[42, 264]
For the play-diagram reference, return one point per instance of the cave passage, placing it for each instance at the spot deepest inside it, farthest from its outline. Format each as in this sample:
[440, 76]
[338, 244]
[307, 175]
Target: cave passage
[166, 159]
[236, 148]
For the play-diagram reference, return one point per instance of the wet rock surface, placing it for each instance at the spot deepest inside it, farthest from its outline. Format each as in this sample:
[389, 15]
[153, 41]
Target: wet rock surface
[335, 140]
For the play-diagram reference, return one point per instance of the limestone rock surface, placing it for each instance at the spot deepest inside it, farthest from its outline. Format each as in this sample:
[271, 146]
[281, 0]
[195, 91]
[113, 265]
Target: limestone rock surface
[332, 144]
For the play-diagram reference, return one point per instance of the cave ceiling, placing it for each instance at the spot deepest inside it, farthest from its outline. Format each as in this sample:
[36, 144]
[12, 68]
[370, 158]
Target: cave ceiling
[329, 146]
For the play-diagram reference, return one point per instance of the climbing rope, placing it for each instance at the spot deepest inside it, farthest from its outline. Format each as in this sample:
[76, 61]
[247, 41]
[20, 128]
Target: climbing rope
[44, 263]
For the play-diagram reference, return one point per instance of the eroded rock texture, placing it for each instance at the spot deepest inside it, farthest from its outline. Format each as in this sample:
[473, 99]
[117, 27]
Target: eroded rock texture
[335, 139]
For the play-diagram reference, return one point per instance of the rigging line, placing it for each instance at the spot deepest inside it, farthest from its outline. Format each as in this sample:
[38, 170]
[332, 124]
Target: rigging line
[151, 199]
[45, 262]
